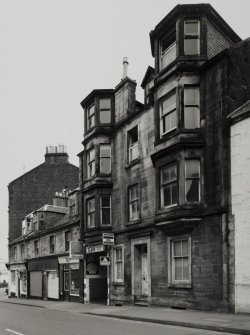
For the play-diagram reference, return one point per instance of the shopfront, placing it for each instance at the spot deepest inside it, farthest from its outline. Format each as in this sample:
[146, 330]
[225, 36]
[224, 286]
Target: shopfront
[18, 281]
[70, 278]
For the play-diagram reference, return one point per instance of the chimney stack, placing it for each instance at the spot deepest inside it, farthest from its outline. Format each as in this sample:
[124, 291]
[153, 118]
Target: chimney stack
[125, 67]
[56, 154]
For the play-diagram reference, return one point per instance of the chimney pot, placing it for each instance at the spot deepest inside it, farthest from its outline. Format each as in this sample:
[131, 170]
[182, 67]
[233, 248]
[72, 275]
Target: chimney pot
[125, 67]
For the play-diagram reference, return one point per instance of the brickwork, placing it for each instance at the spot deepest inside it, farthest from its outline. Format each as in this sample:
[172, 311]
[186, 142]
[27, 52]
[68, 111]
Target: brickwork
[36, 188]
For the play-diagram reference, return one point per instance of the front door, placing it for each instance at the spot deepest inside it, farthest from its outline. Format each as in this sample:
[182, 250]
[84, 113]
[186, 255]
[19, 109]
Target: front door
[144, 271]
[45, 286]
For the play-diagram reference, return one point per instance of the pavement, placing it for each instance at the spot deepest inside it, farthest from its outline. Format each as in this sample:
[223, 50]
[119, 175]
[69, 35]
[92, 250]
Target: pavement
[213, 321]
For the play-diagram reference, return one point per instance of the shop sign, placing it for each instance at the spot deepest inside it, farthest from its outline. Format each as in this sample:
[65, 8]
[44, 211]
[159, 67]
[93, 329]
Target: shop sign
[92, 269]
[104, 260]
[108, 239]
[94, 248]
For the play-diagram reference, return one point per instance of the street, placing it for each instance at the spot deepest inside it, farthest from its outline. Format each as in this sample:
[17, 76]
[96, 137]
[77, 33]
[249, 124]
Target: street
[27, 320]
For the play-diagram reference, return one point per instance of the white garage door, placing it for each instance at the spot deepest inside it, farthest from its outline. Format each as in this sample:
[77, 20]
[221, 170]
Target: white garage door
[53, 285]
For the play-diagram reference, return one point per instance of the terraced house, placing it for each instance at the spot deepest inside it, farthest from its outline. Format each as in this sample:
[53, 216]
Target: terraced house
[157, 174]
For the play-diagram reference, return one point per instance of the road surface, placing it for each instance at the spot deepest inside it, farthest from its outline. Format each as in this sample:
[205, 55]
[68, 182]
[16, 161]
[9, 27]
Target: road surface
[27, 320]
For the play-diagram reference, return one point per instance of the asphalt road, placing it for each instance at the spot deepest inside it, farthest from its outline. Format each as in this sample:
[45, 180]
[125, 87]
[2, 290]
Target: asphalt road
[26, 320]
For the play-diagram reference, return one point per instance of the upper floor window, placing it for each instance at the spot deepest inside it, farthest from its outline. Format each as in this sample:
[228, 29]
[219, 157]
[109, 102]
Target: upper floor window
[191, 107]
[22, 249]
[36, 248]
[169, 182]
[91, 213]
[105, 203]
[133, 144]
[90, 117]
[105, 158]
[67, 240]
[52, 244]
[167, 53]
[15, 253]
[192, 180]
[90, 163]
[36, 225]
[105, 110]
[191, 37]
[168, 115]
[133, 198]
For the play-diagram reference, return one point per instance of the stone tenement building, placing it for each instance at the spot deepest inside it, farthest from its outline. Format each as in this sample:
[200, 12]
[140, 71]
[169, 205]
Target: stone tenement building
[158, 174]
[38, 186]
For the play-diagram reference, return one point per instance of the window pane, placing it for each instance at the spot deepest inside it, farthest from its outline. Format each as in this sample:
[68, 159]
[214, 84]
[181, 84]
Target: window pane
[185, 269]
[105, 165]
[169, 173]
[191, 96]
[178, 269]
[105, 116]
[168, 103]
[74, 287]
[191, 46]
[105, 150]
[192, 190]
[192, 169]
[105, 216]
[192, 117]
[66, 281]
[191, 28]
[118, 254]
[174, 193]
[91, 111]
[105, 201]
[119, 270]
[167, 196]
[105, 103]
[184, 247]
[177, 248]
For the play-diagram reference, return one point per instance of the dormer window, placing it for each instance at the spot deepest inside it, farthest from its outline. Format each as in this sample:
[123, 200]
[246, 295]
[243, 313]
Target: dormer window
[191, 37]
[167, 52]
[90, 117]
[105, 111]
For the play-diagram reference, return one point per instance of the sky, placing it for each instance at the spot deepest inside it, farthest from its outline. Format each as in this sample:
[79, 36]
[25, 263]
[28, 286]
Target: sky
[53, 53]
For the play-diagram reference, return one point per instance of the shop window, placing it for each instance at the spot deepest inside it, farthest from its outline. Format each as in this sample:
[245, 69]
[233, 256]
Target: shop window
[191, 37]
[36, 248]
[168, 115]
[133, 144]
[180, 260]
[67, 240]
[191, 107]
[192, 180]
[74, 280]
[52, 244]
[90, 163]
[105, 210]
[105, 158]
[91, 213]
[118, 265]
[105, 111]
[90, 117]
[133, 195]
[167, 52]
[169, 182]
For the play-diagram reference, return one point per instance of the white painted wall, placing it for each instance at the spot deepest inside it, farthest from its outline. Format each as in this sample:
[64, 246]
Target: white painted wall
[240, 177]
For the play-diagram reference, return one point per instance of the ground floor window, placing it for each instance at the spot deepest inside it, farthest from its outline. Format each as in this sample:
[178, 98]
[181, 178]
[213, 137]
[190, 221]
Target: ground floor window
[179, 260]
[74, 282]
[118, 259]
[71, 279]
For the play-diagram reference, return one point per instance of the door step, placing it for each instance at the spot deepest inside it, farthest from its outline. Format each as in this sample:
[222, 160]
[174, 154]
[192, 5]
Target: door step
[141, 303]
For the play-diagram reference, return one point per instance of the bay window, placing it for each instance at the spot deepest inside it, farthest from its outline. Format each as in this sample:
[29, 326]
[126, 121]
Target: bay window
[191, 107]
[90, 163]
[105, 158]
[105, 206]
[90, 117]
[91, 213]
[168, 115]
[105, 111]
[192, 180]
[169, 185]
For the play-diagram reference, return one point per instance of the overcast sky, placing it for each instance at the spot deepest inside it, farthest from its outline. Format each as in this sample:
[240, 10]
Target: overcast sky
[53, 53]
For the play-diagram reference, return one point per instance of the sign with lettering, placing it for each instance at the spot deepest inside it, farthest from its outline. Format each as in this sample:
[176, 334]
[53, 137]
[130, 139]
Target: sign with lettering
[94, 248]
[108, 239]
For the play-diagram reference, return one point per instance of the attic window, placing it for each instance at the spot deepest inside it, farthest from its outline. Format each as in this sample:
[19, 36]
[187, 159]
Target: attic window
[192, 37]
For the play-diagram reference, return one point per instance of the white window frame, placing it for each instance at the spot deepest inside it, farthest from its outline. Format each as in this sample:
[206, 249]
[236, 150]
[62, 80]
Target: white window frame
[101, 207]
[105, 157]
[105, 110]
[115, 279]
[163, 184]
[195, 36]
[168, 112]
[132, 201]
[197, 105]
[168, 55]
[171, 261]
[91, 163]
[191, 178]
[133, 152]
[90, 213]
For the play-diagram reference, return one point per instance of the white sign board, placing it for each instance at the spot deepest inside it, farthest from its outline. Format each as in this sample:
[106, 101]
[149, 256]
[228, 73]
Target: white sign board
[94, 248]
[108, 239]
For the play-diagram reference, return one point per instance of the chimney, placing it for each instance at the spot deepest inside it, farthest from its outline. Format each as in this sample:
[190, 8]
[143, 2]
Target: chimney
[61, 199]
[56, 154]
[125, 100]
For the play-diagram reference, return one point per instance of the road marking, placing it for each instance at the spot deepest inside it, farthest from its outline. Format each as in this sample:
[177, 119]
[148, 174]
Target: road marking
[12, 331]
